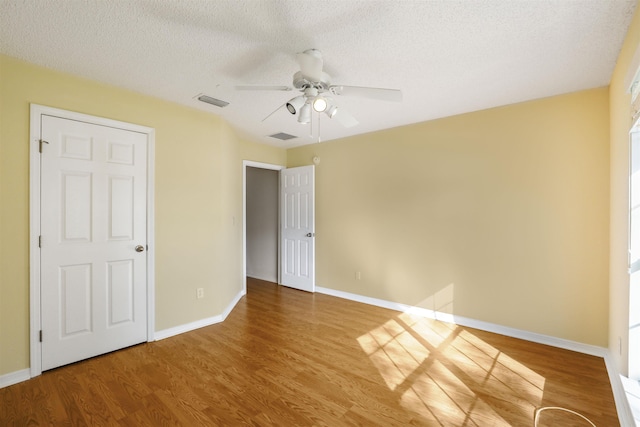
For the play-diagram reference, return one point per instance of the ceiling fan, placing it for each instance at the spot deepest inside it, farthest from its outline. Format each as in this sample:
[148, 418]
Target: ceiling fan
[317, 92]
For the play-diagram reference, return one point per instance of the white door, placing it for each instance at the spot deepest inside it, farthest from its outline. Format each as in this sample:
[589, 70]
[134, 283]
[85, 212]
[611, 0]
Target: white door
[93, 240]
[297, 227]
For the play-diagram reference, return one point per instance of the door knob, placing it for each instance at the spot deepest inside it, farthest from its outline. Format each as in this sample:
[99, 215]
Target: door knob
[139, 248]
[311, 234]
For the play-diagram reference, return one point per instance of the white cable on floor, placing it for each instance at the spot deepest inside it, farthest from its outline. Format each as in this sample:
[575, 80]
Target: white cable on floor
[544, 408]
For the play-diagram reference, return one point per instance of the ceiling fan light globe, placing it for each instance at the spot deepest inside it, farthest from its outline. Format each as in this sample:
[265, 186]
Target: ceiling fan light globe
[295, 104]
[305, 114]
[331, 111]
[320, 104]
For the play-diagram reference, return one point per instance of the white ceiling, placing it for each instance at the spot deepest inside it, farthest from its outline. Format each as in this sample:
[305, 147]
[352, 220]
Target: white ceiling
[447, 57]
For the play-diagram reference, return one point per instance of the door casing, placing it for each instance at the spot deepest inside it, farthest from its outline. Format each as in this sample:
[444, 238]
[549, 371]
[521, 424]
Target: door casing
[633, 337]
[35, 213]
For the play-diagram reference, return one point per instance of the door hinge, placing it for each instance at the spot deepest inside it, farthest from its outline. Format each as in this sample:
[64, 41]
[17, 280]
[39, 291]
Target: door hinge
[40, 335]
[40, 241]
[41, 141]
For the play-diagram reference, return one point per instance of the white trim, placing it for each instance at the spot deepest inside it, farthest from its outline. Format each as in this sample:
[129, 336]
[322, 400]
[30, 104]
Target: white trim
[625, 415]
[34, 233]
[36, 111]
[632, 392]
[14, 377]
[177, 330]
[260, 165]
[262, 277]
[151, 235]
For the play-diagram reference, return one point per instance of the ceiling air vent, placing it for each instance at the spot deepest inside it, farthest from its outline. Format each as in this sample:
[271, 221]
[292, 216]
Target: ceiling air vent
[212, 101]
[282, 136]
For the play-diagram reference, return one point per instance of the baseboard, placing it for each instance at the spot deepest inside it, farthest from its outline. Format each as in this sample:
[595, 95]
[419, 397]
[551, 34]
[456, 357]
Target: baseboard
[625, 415]
[233, 303]
[177, 330]
[471, 323]
[632, 392]
[14, 377]
[265, 277]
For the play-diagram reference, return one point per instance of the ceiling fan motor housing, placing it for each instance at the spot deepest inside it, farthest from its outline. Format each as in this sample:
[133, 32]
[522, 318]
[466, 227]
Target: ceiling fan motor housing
[300, 81]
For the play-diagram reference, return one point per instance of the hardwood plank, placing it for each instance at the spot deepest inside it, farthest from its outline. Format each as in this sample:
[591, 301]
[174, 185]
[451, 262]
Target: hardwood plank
[286, 357]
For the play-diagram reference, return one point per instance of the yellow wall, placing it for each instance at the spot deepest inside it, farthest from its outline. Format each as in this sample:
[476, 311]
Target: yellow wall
[498, 215]
[198, 189]
[620, 118]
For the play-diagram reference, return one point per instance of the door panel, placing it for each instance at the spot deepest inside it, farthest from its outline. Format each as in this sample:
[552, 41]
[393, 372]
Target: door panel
[93, 215]
[121, 212]
[297, 228]
[120, 292]
[75, 295]
[76, 206]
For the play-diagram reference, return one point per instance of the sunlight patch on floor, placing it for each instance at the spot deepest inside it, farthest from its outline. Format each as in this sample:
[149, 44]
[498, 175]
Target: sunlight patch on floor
[394, 352]
[435, 367]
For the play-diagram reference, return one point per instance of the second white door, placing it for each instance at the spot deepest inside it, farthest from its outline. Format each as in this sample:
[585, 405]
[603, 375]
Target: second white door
[297, 227]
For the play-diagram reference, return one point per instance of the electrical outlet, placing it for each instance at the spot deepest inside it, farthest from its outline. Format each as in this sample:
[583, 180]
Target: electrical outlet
[358, 275]
[620, 345]
[200, 293]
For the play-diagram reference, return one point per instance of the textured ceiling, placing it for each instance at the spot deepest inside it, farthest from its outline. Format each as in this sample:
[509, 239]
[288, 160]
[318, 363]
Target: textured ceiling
[447, 57]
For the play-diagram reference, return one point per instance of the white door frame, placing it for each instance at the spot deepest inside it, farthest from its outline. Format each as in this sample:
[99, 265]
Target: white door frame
[34, 220]
[633, 335]
[245, 164]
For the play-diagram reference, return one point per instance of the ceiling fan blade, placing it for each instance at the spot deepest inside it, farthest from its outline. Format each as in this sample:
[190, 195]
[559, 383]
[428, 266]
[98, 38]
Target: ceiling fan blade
[310, 62]
[273, 112]
[345, 118]
[381, 94]
[253, 87]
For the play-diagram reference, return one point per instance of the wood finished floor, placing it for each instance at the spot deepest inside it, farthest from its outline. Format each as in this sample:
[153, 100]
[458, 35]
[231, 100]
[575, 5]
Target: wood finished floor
[289, 358]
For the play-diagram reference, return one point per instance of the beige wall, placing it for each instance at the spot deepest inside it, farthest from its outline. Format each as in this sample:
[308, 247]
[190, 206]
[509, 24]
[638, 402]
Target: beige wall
[499, 215]
[198, 189]
[620, 117]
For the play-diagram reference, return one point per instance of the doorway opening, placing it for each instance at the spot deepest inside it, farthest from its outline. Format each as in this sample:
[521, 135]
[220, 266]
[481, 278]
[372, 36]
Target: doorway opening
[262, 224]
[261, 230]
